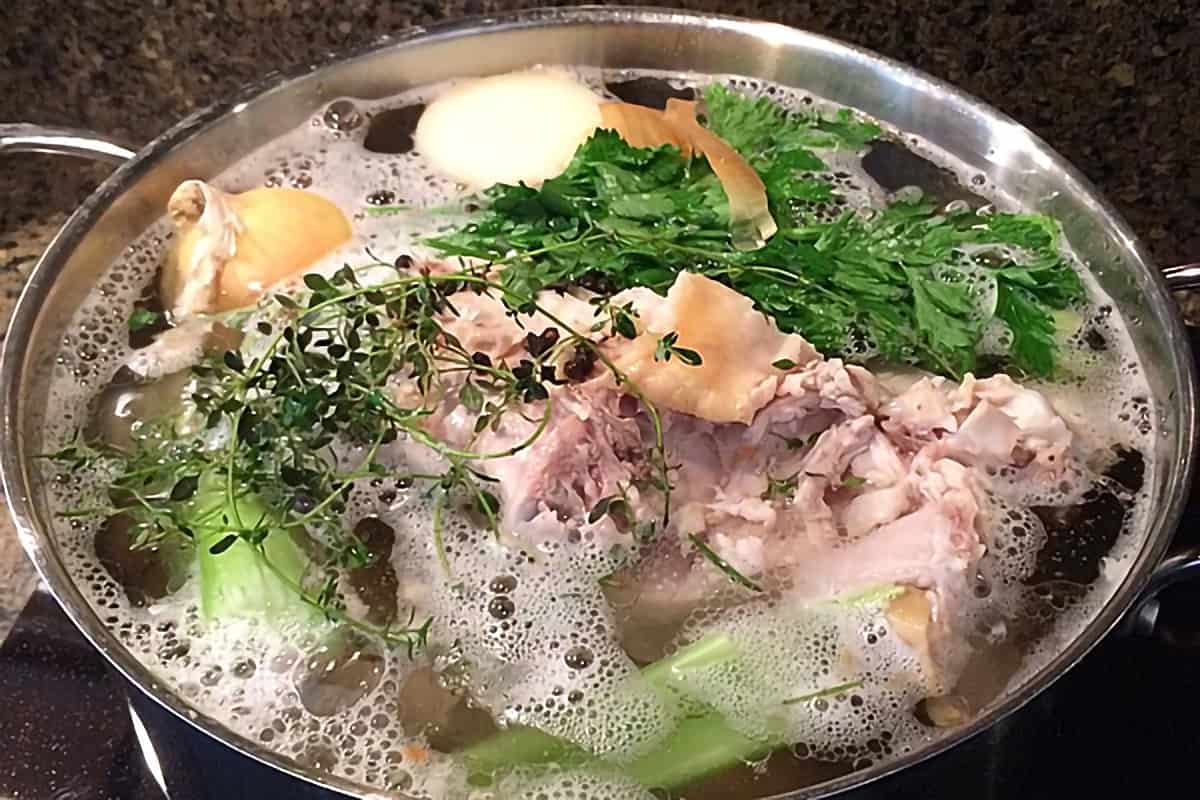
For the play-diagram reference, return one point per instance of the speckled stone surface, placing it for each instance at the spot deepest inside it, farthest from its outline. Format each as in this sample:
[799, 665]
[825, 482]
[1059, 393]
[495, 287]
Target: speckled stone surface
[1112, 85]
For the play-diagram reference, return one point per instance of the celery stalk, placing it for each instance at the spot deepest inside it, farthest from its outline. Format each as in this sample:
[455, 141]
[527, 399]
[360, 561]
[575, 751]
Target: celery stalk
[516, 746]
[237, 581]
[708, 651]
[699, 746]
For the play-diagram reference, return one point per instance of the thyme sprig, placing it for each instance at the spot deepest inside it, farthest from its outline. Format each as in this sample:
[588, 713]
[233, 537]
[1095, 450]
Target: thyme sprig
[300, 414]
[730, 571]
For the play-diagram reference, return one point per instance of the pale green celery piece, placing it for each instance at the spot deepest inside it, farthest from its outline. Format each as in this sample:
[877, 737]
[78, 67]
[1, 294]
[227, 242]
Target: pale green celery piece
[237, 582]
[707, 652]
[517, 746]
[698, 746]
[703, 746]
[870, 596]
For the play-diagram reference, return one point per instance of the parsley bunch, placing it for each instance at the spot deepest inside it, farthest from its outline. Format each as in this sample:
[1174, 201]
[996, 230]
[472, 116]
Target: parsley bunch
[910, 283]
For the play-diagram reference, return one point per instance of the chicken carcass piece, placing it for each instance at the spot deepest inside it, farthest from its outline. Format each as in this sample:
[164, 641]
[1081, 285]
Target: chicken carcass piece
[991, 422]
[886, 492]
[1040, 431]
[934, 546]
[483, 324]
[739, 347]
[723, 469]
[590, 449]
[586, 452]
[910, 523]
[932, 551]
[722, 496]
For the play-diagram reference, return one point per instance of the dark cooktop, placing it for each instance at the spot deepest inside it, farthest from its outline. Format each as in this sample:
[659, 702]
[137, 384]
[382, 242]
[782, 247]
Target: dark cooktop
[1125, 721]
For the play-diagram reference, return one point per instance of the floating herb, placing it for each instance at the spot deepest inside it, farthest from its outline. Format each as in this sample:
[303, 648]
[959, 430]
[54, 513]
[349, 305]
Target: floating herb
[666, 347]
[384, 211]
[723, 565]
[817, 695]
[143, 318]
[782, 488]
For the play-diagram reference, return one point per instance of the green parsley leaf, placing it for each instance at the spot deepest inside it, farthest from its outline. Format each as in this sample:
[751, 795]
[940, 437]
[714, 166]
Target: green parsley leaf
[143, 318]
[1032, 328]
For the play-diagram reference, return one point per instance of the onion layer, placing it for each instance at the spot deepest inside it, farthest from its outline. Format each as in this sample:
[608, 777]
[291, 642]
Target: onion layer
[233, 247]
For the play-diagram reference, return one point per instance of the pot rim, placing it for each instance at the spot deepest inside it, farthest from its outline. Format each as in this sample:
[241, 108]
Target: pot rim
[41, 551]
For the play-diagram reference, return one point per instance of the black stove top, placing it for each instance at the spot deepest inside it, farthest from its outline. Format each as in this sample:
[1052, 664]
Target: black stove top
[1125, 721]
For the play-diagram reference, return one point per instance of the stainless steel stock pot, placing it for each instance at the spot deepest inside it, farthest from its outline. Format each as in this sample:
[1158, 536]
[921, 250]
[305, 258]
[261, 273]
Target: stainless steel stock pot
[1016, 162]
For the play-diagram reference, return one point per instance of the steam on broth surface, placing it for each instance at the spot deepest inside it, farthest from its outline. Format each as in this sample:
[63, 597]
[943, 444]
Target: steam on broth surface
[812, 565]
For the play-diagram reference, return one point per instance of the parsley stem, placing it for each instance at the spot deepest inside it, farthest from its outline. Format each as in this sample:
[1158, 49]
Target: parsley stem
[438, 542]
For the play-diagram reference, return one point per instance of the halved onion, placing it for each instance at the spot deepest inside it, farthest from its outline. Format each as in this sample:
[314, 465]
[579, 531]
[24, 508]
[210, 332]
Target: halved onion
[233, 247]
[512, 128]
[526, 126]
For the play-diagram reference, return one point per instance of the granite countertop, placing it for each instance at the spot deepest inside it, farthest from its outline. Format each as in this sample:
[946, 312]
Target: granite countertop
[1110, 84]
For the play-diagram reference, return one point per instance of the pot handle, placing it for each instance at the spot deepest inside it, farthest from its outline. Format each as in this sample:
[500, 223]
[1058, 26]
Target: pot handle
[1184, 563]
[1142, 619]
[21, 137]
[1182, 277]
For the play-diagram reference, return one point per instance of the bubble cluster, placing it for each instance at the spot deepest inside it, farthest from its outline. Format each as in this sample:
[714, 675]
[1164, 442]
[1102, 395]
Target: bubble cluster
[533, 630]
[574, 785]
[790, 657]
